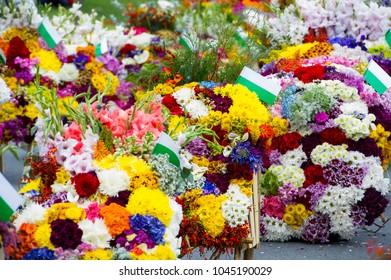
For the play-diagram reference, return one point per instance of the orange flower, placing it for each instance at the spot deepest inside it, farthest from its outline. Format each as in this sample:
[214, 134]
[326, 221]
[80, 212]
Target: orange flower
[100, 150]
[116, 218]
[88, 50]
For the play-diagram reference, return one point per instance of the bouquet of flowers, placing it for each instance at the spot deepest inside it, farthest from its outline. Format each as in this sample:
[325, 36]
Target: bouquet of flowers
[216, 213]
[95, 189]
[325, 177]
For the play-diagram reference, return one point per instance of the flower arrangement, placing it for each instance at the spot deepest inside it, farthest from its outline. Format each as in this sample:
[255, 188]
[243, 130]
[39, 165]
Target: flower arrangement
[216, 213]
[321, 181]
[93, 192]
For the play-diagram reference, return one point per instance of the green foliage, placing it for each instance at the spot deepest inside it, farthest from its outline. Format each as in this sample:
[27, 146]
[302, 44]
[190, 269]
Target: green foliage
[270, 183]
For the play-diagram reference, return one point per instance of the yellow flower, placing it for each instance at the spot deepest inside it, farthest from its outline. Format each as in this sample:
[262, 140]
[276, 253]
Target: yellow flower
[154, 202]
[107, 162]
[42, 236]
[62, 176]
[291, 209]
[48, 60]
[31, 111]
[100, 81]
[200, 161]
[98, 254]
[176, 124]
[162, 252]
[66, 100]
[210, 213]
[58, 211]
[289, 218]
[11, 82]
[300, 208]
[75, 214]
[32, 185]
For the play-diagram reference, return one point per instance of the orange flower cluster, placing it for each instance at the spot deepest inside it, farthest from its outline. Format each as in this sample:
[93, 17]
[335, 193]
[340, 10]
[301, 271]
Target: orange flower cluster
[116, 218]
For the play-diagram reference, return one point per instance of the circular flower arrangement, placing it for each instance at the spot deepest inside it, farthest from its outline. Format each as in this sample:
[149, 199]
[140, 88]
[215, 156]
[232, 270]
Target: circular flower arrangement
[94, 192]
[326, 176]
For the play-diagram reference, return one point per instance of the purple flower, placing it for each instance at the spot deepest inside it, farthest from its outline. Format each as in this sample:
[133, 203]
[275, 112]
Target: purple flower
[221, 182]
[373, 205]
[222, 103]
[124, 241]
[321, 117]
[367, 146]
[198, 147]
[121, 199]
[65, 234]
[317, 229]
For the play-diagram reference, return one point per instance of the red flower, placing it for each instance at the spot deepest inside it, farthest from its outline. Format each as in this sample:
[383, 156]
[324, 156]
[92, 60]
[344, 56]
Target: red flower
[16, 48]
[170, 102]
[333, 136]
[309, 73]
[86, 184]
[314, 174]
[127, 48]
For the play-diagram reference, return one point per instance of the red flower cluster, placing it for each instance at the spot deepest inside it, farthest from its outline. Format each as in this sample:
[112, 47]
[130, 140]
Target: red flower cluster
[16, 48]
[86, 184]
[309, 73]
[286, 142]
[170, 102]
[333, 136]
[313, 174]
[194, 236]
[127, 48]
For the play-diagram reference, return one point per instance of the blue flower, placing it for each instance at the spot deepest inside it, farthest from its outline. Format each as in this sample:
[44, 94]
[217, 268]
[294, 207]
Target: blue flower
[208, 84]
[210, 188]
[150, 225]
[243, 153]
[40, 254]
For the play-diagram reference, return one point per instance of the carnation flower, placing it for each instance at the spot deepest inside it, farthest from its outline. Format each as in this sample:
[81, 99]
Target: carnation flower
[65, 234]
[85, 184]
[112, 181]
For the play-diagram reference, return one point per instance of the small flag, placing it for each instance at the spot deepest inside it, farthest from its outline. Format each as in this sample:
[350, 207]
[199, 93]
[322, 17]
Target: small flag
[10, 200]
[165, 145]
[265, 89]
[377, 77]
[3, 58]
[241, 36]
[101, 48]
[388, 37]
[185, 41]
[49, 33]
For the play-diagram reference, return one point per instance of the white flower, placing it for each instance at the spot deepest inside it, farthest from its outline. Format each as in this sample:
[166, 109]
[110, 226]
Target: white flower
[64, 149]
[5, 92]
[236, 206]
[197, 109]
[68, 72]
[294, 157]
[323, 154]
[95, 233]
[32, 214]
[183, 96]
[112, 181]
[276, 230]
[289, 174]
[141, 41]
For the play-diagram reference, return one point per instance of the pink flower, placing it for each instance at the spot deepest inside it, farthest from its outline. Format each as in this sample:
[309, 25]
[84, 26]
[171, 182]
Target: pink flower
[73, 131]
[274, 207]
[93, 211]
[321, 117]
